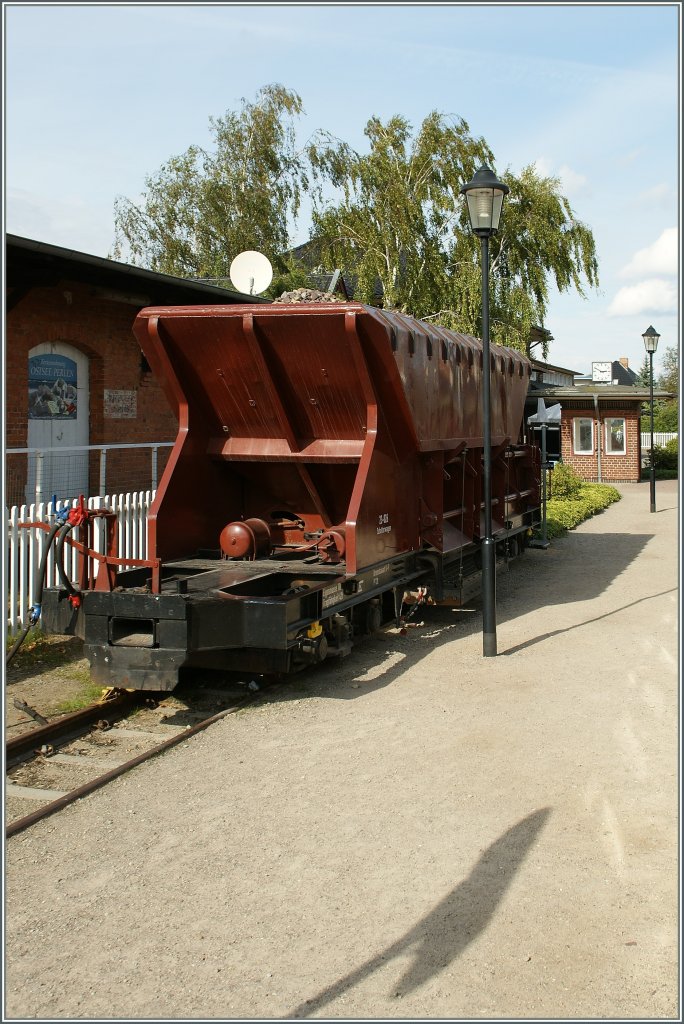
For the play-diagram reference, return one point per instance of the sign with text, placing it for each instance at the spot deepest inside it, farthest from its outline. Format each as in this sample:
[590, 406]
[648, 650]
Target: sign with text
[120, 405]
[52, 388]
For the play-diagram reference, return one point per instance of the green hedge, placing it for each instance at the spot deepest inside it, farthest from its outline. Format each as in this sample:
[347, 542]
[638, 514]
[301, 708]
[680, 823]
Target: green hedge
[572, 501]
[660, 474]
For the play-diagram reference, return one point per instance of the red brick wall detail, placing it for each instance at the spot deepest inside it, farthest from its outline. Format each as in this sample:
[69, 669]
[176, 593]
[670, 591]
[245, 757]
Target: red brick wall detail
[73, 313]
[614, 468]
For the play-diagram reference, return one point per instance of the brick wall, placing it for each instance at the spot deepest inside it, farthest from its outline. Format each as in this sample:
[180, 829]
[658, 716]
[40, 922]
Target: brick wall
[614, 468]
[72, 313]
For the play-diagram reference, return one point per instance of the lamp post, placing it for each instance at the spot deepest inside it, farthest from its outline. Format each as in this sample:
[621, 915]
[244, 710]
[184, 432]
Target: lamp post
[651, 338]
[484, 196]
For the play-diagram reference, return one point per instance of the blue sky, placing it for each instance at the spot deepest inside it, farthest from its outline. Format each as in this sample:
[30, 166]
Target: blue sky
[97, 96]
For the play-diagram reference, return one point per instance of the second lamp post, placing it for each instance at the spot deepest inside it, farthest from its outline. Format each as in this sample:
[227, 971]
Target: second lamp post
[651, 337]
[484, 196]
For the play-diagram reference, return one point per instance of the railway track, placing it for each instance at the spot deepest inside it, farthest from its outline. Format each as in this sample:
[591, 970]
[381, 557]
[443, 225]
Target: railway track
[49, 767]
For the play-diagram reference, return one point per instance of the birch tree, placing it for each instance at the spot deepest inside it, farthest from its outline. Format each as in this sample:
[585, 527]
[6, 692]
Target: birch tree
[398, 221]
[202, 208]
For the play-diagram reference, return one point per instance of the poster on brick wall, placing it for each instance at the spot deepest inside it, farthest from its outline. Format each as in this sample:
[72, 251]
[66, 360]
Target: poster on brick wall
[52, 388]
[120, 405]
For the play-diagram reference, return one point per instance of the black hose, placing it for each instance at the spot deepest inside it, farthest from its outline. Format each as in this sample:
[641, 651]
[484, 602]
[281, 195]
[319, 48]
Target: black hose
[39, 582]
[38, 586]
[59, 558]
[17, 645]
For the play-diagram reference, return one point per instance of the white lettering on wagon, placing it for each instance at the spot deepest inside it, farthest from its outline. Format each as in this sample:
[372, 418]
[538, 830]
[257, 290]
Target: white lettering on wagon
[384, 523]
[331, 595]
[379, 573]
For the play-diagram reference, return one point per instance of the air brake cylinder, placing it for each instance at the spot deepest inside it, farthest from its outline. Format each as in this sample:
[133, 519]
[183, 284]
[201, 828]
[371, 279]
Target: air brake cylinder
[249, 538]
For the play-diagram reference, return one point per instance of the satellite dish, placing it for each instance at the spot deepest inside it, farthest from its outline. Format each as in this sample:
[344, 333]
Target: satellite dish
[251, 272]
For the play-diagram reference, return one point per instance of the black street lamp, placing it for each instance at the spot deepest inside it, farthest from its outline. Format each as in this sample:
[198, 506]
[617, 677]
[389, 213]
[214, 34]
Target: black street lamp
[651, 338]
[484, 196]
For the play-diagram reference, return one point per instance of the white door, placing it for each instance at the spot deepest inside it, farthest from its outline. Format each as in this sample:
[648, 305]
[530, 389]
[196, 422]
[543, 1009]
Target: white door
[58, 418]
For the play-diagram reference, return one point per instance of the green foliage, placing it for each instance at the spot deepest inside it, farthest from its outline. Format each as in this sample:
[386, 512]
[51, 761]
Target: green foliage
[600, 495]
[667, 456]
[397, 208]
[540, 242]
[202, 208]
[291, 275]
[400, 219]
[88, 694]
[669, 377]
[396, 216]
[644, 375]
[665, 417]
[565, 483]
[665, 411]
[565, 513]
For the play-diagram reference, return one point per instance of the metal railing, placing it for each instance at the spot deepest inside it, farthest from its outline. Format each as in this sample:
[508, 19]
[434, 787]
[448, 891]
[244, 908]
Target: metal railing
[25, 546]
[35, 475]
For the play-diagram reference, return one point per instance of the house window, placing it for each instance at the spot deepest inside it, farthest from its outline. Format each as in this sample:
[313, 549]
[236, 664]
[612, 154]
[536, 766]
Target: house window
[583, 435]
[615, 437]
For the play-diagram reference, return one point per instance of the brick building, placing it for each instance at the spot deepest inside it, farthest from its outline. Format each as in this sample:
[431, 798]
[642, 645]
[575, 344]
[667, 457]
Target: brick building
[75, 376]
[600, 430]
[76, 382]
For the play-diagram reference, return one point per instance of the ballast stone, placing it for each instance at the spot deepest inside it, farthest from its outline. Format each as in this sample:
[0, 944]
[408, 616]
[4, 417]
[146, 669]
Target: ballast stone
[308, 295]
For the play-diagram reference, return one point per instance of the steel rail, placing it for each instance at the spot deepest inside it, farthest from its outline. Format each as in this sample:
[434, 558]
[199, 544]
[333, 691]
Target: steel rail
[19, 824]
[69, 724]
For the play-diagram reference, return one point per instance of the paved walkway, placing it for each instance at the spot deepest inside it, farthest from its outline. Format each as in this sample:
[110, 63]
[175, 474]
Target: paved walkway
[414, 833]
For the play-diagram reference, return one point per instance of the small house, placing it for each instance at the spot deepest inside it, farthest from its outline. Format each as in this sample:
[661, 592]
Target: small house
[599, 433]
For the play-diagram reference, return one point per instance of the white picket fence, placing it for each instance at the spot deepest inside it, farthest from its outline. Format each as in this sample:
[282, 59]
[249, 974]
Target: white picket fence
[25, 547]
[658, 439]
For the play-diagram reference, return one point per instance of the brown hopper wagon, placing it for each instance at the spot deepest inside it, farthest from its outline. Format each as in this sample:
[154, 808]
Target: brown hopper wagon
[328, 459]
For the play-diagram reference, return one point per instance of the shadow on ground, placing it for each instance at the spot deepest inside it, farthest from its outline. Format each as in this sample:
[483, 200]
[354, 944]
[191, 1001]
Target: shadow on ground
[576, 569]
[30, 661]
[442, 935]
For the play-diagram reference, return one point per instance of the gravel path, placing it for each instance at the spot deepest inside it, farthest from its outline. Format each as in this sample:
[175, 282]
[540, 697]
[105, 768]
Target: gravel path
[416, 832]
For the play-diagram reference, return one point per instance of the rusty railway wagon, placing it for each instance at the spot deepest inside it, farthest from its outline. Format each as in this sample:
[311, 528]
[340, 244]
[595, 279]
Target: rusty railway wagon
[328, 460]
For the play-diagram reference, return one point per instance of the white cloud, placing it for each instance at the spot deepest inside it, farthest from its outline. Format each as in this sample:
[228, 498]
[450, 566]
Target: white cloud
[659, 258]
[631, 157]
[653, 296]
[662, 195]
[574, 184]
[543, 166]
[69, 222]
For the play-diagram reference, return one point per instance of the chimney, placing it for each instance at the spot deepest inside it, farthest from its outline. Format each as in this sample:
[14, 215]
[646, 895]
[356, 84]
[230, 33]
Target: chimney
[624, 361]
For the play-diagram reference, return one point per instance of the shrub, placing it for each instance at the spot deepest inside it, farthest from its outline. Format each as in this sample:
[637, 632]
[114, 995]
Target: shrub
[563, 514]
[666, 457]
[660, 474]
[603, 493]
[565, 483]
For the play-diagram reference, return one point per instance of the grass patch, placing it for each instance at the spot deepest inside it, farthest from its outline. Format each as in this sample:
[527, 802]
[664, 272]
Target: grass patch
[87, 694]
[41, 651]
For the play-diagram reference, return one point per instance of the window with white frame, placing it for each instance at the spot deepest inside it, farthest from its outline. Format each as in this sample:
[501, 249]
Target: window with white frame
[583, 435]
[615, 436]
